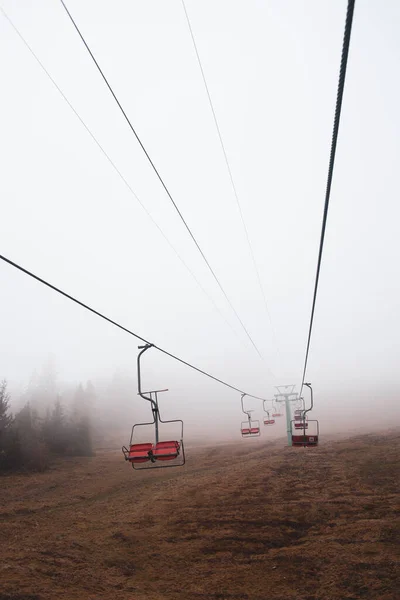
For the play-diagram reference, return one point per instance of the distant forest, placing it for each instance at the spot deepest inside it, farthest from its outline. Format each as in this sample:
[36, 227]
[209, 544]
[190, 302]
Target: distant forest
[47, 418]
[29, 441]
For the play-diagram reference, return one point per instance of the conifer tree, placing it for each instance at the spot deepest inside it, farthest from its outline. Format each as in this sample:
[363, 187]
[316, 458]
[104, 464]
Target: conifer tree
[9, 455]
[6, 419]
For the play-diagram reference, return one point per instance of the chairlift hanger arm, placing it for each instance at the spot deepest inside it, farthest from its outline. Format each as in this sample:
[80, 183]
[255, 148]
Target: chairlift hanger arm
[264, 409]
[142, 394]
[312, 400]
[246, 412]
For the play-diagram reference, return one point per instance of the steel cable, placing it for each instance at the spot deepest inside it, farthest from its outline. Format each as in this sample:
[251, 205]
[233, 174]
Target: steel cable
[228, 166]
[160, 179]
[117, 171]
[119, 326]
[338, 109]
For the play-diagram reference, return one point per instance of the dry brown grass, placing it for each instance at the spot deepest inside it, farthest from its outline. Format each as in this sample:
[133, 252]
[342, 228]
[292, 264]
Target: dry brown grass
[254, 521]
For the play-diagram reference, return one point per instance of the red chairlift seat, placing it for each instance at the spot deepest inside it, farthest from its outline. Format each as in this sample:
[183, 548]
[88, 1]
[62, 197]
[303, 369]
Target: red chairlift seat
[139, 453]
[250, 431]
[166, 450]
[249, 428]
[276, 414]
[304, 440]
[301, 425]
[269, 421]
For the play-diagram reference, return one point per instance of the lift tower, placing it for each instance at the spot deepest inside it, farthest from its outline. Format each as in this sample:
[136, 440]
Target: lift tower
[287, 395]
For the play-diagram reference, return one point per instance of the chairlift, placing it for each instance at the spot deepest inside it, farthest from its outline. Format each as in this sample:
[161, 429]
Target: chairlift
[268, 420]
[276, 412]
[249, 428]
[311, 438]
[154, 454]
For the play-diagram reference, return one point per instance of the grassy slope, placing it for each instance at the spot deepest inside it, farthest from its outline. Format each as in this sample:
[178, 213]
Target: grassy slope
[253, 521]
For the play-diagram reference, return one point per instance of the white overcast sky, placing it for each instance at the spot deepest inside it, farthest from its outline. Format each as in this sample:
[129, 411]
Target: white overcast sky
[272, 69]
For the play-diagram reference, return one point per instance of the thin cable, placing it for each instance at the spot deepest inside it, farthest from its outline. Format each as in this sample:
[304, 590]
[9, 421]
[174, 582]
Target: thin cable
[161, 180]
[338, 109]
[117, 170]
[102, 316]
[228, 166]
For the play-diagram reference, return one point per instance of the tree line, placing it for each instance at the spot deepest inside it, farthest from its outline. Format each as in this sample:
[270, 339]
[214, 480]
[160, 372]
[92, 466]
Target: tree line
[29, 441]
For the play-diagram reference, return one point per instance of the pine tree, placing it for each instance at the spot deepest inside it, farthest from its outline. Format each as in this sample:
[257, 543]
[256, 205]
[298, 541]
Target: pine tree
[79, 427]
[79, 407]
[6, 419]
[80, 438]
[9, 450]
[33, 452]
[58, 415]
[57, 429]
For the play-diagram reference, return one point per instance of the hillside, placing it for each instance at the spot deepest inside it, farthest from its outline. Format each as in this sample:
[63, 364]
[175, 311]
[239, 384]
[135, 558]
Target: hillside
[251, 520]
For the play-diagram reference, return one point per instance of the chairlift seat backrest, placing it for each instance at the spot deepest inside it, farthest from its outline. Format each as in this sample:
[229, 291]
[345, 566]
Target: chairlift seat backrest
[166, 450]
[139, 453]
[250, 431]
[168, 444]
[305, 440]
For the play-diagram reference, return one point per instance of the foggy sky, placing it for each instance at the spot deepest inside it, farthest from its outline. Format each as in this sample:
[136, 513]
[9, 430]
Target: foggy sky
[272, 70]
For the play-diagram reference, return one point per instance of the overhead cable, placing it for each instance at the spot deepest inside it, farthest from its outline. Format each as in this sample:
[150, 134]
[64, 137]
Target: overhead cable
[119, 326]
[228, 166]
[161, 180]
[117, 171]
[339, 99]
